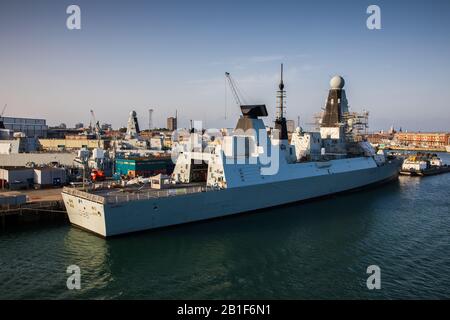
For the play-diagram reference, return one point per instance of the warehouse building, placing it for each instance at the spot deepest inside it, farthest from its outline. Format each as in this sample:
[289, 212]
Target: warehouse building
[18, 144]
[74, 142]
[31, 127]
[49, 176]
[64, 159]
[15, 178]
[20, 177]
[144, 167]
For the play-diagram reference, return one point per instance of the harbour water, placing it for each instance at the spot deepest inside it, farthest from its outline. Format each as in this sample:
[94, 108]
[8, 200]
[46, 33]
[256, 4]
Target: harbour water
[315, 250]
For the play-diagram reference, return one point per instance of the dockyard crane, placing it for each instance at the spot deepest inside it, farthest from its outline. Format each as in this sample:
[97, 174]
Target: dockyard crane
[2, 126]
[3, 111]
[93, 117]
[96, 124]
[234, 89]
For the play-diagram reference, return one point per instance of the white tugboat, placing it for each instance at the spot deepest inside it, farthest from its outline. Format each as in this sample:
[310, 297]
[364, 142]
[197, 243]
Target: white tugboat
[423, 164]
[266, 171]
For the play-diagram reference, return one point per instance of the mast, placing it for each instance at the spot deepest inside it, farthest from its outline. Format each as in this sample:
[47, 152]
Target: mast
[280, 121]
[281, 94]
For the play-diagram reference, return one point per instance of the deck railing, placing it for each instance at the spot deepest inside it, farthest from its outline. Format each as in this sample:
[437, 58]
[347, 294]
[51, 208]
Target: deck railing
[84, 195]
[119, 197]
[152, 194]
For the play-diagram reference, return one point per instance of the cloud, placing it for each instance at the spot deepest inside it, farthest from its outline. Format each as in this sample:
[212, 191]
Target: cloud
[309, 67]
[253, 78]
[263, 59]
[243, 62]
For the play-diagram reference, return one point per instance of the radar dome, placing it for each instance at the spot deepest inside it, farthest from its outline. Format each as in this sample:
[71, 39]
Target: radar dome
[337, 82]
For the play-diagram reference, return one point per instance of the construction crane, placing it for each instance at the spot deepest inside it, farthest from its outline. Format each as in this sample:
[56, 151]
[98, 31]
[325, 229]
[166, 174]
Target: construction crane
[93, 116]
[96, 124]
[234, 89]
[3, 111]
[2, 126]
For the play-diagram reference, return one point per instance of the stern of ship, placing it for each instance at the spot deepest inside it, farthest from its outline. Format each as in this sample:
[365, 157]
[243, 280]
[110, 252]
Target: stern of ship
[85, 210]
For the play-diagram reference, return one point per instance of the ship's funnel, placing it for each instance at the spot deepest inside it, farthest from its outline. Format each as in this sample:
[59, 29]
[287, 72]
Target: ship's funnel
[254, 111]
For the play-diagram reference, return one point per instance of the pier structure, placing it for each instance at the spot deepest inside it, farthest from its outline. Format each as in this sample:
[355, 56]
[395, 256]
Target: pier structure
[31, 206]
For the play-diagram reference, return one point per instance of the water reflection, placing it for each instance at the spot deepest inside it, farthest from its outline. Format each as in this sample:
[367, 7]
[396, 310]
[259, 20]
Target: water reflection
[221, 256]
[318, 249]
[91, 254]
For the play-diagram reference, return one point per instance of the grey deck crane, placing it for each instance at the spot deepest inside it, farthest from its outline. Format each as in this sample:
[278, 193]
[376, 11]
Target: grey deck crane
[234, 89]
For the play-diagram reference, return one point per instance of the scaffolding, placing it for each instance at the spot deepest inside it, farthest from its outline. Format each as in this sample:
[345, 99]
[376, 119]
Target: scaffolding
[316, 121]
[356, 125]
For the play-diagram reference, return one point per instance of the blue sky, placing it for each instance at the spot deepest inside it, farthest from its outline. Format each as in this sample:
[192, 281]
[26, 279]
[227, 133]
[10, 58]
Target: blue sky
[170, 55]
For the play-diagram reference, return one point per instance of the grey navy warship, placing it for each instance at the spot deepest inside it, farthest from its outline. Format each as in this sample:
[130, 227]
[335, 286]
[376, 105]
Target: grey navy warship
[250, 169]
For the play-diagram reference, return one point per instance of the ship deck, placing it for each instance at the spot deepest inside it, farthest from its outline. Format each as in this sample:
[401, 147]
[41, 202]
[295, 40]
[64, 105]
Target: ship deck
[134, 193]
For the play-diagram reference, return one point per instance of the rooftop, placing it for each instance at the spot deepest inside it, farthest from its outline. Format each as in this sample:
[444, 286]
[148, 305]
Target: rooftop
[14, 167]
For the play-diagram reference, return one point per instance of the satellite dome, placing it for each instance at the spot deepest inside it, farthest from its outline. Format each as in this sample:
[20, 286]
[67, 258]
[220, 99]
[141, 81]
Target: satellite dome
[337, 82]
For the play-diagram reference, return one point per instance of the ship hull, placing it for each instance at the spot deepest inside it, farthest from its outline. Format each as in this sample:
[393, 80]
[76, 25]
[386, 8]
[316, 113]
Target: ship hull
[114, 219]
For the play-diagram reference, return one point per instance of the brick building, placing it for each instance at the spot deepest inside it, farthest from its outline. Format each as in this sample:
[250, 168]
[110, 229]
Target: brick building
[434, 139]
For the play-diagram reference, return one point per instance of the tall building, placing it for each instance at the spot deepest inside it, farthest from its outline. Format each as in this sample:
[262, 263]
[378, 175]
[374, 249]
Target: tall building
[172, 123]
[31, 127]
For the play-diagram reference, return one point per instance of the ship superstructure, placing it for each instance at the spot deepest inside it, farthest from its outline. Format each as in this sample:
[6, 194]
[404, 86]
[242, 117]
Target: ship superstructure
[247, 170]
